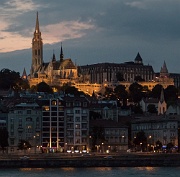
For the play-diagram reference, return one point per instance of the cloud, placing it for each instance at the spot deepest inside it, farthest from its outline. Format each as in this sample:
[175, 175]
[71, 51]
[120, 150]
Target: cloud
[65, 30]
[95, 31]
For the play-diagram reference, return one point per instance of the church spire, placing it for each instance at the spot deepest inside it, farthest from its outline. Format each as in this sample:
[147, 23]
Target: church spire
[164, 71]
[24, 75]
[61, 54]
[37, 49]
[54, 57]
[37, 24]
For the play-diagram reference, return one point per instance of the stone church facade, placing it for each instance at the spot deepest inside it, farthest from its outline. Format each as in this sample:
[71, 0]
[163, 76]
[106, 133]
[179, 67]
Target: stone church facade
[55, 72]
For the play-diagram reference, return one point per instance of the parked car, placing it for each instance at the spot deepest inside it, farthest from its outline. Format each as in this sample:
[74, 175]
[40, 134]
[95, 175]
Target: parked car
[108, 157]
[86, 155]
[24, 158]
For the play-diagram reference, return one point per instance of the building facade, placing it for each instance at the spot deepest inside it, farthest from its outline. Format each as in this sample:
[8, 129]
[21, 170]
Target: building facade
[114, 136]
[157, 128]
[106, 72]
[77, 124]
[24, 123]
[55, 72]
[53, 127]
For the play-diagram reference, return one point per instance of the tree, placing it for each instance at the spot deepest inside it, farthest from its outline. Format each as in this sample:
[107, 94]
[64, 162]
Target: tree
[108, 93]
[97, 135]
[171, 94]
[23, 84]
[137, 109]
[4, 138]
[169, 147]
[43, 87]
[24, 145]
[156, 91]
[66, 88]
[119, 76]
[146, 91]
[135, 90]
[158, 145]
[11, 79]
[151, 108]
[121, 93]
[141, 140]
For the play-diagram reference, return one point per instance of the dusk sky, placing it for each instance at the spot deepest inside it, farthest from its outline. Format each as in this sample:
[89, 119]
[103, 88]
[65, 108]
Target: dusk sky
[92, 31]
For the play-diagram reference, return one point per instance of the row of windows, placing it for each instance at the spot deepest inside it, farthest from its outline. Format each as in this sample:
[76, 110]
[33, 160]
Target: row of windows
[53, 119]
[77, 111]
[47, 124]
[155, 126]
[47, 108]
[53, 114]
[77, 140]
[77, 126]
[27, 112]
[76, 104]
[77, 119]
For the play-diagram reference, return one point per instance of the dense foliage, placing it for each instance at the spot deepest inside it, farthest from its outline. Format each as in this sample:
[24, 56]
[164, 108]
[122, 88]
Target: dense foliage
[24, 145]
[4, 138]
[11, 79]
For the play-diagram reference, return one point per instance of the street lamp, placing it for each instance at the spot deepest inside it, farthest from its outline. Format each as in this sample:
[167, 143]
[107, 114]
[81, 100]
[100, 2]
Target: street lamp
[35, 144]
[65, 148]
[102, 147]
[141, 146]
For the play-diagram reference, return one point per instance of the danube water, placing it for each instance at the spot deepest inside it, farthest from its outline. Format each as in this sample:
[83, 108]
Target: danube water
[93, 172]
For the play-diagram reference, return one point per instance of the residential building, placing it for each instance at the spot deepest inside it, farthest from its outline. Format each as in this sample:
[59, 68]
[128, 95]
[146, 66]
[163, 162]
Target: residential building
[114, 136]
[53, 128]
[145, 102]
[157, 128]
[107, 109]
[24, 123]
[77, 123]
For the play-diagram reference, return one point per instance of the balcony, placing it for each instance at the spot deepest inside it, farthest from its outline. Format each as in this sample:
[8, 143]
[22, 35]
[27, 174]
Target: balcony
[20, 129]
[37, 129]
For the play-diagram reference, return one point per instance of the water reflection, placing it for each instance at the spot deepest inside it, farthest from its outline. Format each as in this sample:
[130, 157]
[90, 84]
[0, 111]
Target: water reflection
[91, 172]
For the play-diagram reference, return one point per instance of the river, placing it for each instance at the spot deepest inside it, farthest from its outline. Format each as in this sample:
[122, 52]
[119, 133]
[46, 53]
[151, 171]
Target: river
[92, 172]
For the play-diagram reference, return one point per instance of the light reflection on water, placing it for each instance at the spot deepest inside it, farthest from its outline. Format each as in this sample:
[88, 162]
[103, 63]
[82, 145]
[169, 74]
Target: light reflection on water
[91, 172]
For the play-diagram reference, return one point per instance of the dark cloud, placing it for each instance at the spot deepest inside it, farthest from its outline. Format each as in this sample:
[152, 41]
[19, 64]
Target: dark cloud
[122, 28]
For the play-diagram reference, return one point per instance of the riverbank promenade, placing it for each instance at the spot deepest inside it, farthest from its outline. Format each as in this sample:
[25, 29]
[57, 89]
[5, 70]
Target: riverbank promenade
[58, 160]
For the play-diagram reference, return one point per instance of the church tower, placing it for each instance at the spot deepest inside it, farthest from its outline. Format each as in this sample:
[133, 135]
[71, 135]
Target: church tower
[162, 106]
[61, 54]
[164, 71]
[37, 49]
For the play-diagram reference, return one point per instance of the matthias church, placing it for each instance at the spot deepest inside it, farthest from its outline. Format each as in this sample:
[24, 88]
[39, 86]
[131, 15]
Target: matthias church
[55, 72]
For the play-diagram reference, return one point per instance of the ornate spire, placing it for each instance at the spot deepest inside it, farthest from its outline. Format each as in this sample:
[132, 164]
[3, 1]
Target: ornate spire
[37, 24]
[54, 57]
[61, 54]
[37, 33]
[164, 71]
[37, 49]
[24, 75]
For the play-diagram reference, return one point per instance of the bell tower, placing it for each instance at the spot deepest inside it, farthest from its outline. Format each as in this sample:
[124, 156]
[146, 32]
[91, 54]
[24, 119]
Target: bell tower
[37, 49]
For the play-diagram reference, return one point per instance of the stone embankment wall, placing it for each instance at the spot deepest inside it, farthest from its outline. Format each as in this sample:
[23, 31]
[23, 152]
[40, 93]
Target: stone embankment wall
[160, 161]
